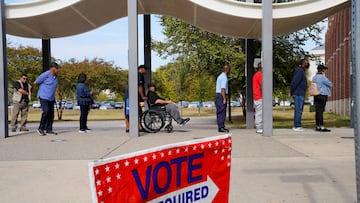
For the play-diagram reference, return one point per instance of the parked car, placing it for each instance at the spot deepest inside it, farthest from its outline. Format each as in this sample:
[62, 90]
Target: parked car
[209, 104]
[69, 105]
[183, 104]
[96, 105]
[235, 104]
[118, 105]
[195, 104]
[106, 106]
[36, 104]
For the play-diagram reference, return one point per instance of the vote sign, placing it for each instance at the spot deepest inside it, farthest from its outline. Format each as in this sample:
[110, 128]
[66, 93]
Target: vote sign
[187, 172]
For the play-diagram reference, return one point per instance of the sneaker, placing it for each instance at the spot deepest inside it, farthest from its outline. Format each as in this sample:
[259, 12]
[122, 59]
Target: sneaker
[127, 130]
[41, 132]
[324, 130]
[82, 131]
[317, 128]
[24, 129]
[223, 130]
[50, 132]
[298, 129]
[88, 130]
[259, 131]
[184, 121]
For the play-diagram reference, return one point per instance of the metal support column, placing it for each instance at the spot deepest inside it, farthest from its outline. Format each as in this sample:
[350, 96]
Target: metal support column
[133, 64]
[355, 35]
[249, 44]
[267, 63]
[4, 128]
[46, 54]
[147, 47]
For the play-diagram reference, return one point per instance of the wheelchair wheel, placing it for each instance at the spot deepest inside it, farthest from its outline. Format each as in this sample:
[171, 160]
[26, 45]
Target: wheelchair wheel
[152, 121]
[169, 128]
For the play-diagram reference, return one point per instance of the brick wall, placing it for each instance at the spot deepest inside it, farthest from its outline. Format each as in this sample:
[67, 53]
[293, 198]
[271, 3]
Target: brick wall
[338, 58]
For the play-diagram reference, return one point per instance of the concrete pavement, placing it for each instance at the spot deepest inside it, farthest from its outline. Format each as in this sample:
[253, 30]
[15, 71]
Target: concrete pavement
[290, 166]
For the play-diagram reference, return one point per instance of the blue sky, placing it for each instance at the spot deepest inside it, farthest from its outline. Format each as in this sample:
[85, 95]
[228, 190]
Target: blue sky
[109, 42]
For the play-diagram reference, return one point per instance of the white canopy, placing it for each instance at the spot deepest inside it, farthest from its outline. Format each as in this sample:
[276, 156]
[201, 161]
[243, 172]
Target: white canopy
[60, 18]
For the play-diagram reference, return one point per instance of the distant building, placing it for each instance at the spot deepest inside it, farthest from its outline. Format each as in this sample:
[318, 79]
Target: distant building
[319, 54]
[338, 58]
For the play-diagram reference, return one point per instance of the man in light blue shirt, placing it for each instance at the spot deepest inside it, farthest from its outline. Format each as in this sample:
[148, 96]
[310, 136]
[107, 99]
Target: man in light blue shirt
[221, 101]
[47, 83]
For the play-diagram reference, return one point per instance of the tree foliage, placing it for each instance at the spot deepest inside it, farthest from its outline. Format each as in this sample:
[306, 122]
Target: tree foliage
[201, 54]
[100, 74]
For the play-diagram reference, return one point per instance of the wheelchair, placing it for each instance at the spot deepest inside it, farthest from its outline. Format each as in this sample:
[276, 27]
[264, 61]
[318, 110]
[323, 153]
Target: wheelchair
[154, 119]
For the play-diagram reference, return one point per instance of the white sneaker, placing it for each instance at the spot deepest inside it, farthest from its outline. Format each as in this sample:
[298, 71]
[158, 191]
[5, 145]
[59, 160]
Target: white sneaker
[82, 131]
[259, 131]
[298, 129]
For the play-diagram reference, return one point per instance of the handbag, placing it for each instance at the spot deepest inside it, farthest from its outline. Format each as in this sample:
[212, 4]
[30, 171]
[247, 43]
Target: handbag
[313, 89]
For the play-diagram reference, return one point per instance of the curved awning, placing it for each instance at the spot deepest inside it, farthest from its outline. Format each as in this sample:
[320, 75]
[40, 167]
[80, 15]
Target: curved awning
[60, 18]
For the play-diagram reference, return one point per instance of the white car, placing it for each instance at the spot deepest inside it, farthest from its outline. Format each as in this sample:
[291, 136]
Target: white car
[36, 105]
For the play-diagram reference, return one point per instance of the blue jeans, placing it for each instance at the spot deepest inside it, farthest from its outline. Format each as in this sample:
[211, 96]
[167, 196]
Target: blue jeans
[47, 116]
[299, 106]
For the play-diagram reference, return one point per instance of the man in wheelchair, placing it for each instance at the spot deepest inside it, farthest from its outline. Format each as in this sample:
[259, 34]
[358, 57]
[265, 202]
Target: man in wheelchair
[155, 100]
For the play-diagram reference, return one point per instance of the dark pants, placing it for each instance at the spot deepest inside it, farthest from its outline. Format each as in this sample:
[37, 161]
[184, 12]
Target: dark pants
[47, 116]
[84, 112]
[320, 102]
[220, 111]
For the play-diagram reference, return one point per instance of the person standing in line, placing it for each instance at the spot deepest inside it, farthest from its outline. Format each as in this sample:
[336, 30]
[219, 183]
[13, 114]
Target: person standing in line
[21, 98]
[127, 109]
[324, 85]
[297, 91]
[257, 94]
[47, 83]
[141, 90]
[84, 100]
[221, 100]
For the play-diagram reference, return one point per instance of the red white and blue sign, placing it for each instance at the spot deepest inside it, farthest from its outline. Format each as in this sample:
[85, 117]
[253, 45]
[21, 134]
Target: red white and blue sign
[187, 172]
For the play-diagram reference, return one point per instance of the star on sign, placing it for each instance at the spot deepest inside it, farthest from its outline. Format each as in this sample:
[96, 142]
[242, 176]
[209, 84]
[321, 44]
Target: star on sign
[118, 176]
[109, 189]
[186, 149]
[177, 151]
[98, 182]
[97, 171]
[162, 154]
[170, 152]
[209, 145]
[154, 156]
[216, 151]
[202, 146]
[100, 193]
[107, 168]
[136, 161]
[145, 159]
[216, 143]
[108, 179]
[194, 148]
[127, 163]
[117, 166]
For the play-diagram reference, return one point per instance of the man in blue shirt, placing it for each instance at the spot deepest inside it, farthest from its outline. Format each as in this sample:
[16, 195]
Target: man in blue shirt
[221, 101]
[47, 83]
[297, 90]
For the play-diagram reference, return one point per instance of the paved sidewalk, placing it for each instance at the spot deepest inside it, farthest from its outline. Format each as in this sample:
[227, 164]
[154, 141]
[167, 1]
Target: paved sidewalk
[290, 166]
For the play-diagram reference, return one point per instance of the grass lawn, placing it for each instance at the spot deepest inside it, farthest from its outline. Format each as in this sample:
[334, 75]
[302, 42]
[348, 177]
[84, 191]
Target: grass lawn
[283, 116]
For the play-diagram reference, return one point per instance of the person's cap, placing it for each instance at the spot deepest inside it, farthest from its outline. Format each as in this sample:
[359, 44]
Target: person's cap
[143, 66]
[54, 65]
[322, 67]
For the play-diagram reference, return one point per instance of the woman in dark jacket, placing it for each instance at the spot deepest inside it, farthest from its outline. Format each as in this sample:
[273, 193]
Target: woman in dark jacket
[84, 100]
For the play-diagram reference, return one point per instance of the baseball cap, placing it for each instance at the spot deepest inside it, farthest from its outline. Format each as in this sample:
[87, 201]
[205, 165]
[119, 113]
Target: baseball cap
[143, 66]
[55, 65]
[322, 67]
